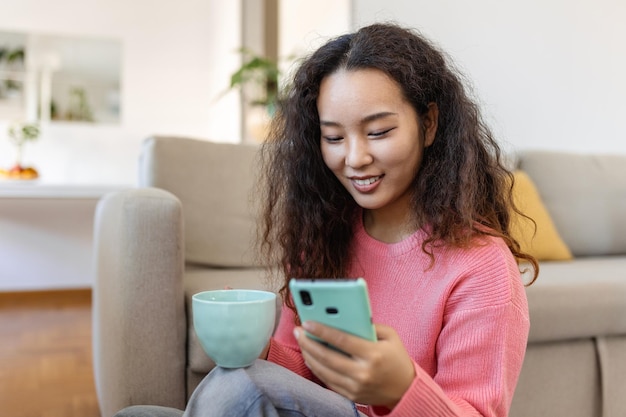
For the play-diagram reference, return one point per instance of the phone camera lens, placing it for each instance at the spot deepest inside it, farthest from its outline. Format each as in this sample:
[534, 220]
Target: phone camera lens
[306, 298]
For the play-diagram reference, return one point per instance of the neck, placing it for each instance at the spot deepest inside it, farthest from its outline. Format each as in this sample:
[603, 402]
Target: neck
[389, 226]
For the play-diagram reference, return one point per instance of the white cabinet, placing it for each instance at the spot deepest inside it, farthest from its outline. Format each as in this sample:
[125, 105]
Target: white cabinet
[46, 235]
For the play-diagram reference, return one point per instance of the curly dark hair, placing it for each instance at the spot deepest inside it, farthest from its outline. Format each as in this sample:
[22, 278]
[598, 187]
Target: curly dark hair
[463, 189]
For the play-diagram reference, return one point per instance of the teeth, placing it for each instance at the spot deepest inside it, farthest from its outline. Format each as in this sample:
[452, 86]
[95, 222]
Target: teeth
[367, 181]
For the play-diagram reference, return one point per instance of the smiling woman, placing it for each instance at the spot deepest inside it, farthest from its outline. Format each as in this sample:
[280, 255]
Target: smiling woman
[380, 167]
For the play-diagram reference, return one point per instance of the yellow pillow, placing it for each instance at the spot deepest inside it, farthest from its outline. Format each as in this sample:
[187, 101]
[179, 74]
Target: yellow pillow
[544, 244]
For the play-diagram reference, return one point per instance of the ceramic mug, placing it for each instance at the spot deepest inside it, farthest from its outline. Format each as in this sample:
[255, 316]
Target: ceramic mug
[234, 326]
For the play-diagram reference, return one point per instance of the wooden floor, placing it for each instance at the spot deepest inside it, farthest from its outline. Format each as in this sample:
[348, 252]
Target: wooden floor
[45, 355]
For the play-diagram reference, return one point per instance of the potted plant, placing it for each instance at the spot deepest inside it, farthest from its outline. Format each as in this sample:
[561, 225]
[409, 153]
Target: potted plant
[261, 75]
[258, 78]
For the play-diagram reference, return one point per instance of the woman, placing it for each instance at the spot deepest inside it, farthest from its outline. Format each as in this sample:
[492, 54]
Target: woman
[379, 166]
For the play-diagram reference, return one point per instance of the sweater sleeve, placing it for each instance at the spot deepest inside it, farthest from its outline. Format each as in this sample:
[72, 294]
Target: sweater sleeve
[479, 351]
[478, 367]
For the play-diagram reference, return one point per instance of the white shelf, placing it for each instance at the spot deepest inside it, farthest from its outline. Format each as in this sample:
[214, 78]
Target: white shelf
[34, 189]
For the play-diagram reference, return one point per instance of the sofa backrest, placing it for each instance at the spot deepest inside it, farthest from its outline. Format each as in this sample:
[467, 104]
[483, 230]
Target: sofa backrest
[586, 197]
[214, 182]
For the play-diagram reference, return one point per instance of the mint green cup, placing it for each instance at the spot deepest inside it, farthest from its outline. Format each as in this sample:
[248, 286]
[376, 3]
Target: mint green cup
[233, 326]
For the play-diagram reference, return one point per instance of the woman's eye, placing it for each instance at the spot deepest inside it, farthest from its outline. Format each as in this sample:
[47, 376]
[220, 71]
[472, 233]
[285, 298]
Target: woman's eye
[332, 138]
[380, 133]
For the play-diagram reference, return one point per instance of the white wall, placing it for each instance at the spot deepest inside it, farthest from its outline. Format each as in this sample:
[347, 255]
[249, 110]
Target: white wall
[177, 58]
[305, 24]
[549, 73]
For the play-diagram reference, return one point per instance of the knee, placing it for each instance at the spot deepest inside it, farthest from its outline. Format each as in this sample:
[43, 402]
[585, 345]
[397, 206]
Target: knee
[225, 392]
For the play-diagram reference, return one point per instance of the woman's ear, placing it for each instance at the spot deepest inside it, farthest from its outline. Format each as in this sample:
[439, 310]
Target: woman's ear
[430, 120]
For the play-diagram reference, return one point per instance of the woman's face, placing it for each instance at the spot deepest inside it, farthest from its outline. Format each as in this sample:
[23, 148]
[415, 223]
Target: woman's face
[371, 137]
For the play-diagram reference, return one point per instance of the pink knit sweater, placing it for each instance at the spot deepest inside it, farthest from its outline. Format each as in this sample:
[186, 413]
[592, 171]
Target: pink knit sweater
[463, 320]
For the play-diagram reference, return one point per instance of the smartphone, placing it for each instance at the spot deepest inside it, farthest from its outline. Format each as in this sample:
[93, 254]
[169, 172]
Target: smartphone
[340, 303]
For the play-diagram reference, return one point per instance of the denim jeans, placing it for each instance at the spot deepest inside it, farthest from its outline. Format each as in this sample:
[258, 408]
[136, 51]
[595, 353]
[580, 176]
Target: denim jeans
[261, 390]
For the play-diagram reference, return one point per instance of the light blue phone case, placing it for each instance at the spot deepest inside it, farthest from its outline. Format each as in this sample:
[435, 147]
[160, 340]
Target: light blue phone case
[339, 303]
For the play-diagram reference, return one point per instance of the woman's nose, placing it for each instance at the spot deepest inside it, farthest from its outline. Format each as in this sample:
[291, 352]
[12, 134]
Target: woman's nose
[358, 153]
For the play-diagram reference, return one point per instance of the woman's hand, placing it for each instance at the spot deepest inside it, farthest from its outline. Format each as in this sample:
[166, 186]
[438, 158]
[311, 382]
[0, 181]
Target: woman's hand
[376, 373]
[266, 350]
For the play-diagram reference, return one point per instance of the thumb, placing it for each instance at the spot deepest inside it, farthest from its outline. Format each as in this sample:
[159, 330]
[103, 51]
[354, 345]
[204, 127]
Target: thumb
[384, 332]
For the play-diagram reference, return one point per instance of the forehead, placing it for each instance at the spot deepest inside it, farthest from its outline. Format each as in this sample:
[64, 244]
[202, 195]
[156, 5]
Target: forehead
[359, 82]
[346, 92]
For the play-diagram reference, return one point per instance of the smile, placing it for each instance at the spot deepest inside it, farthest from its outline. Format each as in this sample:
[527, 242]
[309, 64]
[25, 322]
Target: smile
[366, 185]
[366, 181]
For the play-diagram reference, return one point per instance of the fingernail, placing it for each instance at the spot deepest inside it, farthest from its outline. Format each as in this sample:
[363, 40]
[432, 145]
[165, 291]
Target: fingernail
[296, 333]
[308, 325]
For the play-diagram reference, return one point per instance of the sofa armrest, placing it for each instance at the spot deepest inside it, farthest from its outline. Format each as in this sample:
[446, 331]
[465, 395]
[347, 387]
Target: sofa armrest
[139, 319]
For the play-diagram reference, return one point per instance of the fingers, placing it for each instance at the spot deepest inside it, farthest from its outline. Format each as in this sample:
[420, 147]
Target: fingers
[332, 367]
[352, 345]
[315, 351]
[374, 373]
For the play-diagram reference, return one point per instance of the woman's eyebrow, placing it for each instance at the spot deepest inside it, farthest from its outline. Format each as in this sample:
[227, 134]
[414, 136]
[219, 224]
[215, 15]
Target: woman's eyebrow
[329, 123]
[366, 119]
[377, 116]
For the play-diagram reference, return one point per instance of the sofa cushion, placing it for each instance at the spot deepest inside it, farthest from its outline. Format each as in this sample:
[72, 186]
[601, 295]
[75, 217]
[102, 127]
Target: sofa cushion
[218, 205]
[544, 241]
[586, 196]
[559, 379]
[578, 299]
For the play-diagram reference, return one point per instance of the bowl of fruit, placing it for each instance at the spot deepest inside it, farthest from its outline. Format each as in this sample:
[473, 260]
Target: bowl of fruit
[19, 134]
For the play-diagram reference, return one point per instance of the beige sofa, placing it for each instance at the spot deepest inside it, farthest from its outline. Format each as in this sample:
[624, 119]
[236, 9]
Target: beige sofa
[190, 226]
